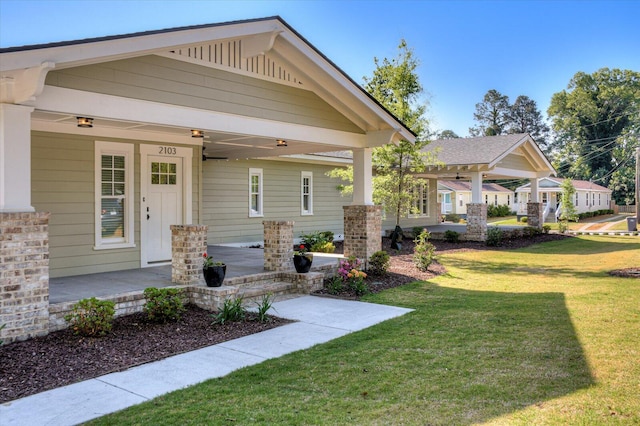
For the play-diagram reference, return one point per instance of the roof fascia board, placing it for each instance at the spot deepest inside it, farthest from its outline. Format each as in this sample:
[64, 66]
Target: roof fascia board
[77, 102]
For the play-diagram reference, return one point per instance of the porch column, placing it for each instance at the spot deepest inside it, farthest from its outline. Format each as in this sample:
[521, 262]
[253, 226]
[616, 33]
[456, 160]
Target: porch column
[476, 187]
[188, 244]
[24, 275]
[15, 158]
[278, 244]
[476, 222]
[535, 195]
[362, 178]
[535, 213]
[362, 231]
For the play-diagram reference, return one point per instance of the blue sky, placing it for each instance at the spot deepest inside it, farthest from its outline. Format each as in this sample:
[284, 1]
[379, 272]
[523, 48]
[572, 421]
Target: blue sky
[465, 48]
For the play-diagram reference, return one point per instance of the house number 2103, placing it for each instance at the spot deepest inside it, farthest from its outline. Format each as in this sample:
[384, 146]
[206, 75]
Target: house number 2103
[167, 150]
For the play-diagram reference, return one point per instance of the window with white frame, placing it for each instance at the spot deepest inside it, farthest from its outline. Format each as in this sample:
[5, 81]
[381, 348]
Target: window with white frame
[306, 190]
[508, 199]
[421, 201]
[114, 195]
[576, 203]
[486, 198]
[461, 200]
[495, 200]
[255, 193]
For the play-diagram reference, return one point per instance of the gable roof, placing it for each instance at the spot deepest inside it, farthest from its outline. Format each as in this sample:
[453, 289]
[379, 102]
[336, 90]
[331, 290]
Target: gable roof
[556, 182]
[458, 185]
[292, 61]
[502, 156]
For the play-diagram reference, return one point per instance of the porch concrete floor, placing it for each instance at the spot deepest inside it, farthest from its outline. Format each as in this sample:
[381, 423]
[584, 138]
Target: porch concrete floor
[240, 262]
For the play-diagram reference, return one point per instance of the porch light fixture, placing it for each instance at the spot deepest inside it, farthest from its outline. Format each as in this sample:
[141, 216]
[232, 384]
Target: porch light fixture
[85, 122]
[457, 176]
[281, 143]
[197, 133]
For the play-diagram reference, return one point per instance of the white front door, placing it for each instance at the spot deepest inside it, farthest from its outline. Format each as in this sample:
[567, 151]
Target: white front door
[163, 205]
[165, 198]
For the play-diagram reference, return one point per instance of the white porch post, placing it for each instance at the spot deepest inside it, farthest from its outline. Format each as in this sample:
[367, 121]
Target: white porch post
[476, 187]
[15, 158]
[535, 196]
[362, 177]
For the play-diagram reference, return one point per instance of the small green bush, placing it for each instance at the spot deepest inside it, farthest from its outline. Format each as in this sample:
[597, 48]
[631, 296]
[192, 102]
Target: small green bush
[494, 236]
[452, 217]
[335, 285]
[546, 229]
[531, 231]
[319, 241]
[451, 236]
[524, 219]
[379, 263]
[417, 230]
[232, 310]
[424, 251]
[563, 226]
[163, 304]
[91, 317]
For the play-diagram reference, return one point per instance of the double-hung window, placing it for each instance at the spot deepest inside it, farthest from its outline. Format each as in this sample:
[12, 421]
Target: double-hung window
[255, 193]
[114, 195]
[421, 201]
[306, 190]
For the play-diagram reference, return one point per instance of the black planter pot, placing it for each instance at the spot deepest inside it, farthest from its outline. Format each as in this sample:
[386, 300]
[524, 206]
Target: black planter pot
[302, 263]
[214, 275]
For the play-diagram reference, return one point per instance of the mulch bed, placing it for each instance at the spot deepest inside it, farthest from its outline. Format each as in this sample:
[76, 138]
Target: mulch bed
[62, 358]
[626, 273]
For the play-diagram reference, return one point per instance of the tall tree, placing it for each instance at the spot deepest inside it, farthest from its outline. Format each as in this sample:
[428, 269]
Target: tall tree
[525, 117]
[448, 134]
[395, 84]
[597, 121]
[492, 115]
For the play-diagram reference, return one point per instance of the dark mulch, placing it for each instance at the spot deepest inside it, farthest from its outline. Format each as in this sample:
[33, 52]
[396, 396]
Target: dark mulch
[61, 358]
[626, 273]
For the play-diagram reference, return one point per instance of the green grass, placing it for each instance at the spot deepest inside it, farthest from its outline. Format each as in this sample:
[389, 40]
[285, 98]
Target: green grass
[541, 335]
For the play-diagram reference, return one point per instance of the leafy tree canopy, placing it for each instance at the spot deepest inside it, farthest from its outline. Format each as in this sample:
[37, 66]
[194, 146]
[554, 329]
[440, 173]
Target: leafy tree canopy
[597, 123]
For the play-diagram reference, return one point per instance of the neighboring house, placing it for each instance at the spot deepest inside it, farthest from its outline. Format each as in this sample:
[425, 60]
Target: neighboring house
[454, 195]
[117, 138]
[588, 197]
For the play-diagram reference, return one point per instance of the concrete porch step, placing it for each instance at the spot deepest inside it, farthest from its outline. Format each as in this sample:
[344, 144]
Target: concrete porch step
[279, 289]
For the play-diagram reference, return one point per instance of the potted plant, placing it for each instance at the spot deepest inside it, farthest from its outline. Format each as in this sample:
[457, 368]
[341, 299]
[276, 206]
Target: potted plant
[302, 259]
[213, 272]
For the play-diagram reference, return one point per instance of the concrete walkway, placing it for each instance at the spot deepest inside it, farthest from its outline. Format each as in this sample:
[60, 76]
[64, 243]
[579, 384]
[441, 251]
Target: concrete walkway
[319, 320]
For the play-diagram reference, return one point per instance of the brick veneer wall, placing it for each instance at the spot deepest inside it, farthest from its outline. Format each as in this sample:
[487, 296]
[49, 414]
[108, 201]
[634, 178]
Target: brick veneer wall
[534, 215]
[188, 244]
[476, 222]
[362, 231]
[24, 275]
[278, 245]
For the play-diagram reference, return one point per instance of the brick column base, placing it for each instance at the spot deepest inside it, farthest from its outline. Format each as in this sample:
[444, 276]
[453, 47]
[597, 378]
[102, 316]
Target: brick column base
[476, 222]
[534, 215]
[362, 231]
[278, 245]
[188, 244]
[24, 275]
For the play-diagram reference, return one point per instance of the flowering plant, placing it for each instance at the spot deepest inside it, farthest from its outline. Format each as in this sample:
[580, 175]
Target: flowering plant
[209, 262]
[302, 251]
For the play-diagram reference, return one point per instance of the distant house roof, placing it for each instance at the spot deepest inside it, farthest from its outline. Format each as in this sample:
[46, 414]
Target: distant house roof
[554, 183]
[497, 157]
[457, 185]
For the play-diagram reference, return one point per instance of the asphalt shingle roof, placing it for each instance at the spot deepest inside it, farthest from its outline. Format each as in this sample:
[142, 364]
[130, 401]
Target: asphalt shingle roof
[482, 150]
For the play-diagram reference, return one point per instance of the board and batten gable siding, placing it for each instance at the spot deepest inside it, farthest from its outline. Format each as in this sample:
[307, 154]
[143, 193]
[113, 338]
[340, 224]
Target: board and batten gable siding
[406, 223]
[164, 80]
[225, 200]
[62, 181]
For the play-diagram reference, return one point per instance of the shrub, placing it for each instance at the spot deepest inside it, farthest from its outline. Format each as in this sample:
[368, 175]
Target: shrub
[494, 236]
[451, 236]
[1, 327]
[531, 231]
[319, 241]
[417, 230]
[546, 229]
[335, 285]
[263, 306]
[355, 282]
[91, 317]
[424, 251]
[452, 217]
[163, 304]
[524, 219]
[232, 310]
[563, 226]
[379, 263]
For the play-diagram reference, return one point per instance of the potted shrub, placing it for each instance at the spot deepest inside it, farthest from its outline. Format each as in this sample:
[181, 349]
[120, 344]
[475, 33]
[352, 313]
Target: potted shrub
[302, 259]
[213, 272]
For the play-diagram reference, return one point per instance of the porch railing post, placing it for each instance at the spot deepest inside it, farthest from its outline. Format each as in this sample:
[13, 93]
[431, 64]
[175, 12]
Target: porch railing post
[362, 231]
[278, 244]
[188, 244]
[476, 222]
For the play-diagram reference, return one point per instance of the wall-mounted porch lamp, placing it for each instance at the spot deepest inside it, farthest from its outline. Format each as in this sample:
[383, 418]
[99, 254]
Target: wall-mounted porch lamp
[281, 143]
[195, 133]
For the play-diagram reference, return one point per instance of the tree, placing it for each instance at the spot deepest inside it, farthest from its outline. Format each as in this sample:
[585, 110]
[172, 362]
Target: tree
[568, 211]
[597, 121]
[525, 117]
[395, 84]
[492, 115]
[448, 134]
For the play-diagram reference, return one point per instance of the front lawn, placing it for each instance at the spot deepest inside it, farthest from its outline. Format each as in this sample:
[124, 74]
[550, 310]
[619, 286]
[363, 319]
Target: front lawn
[539, 335]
